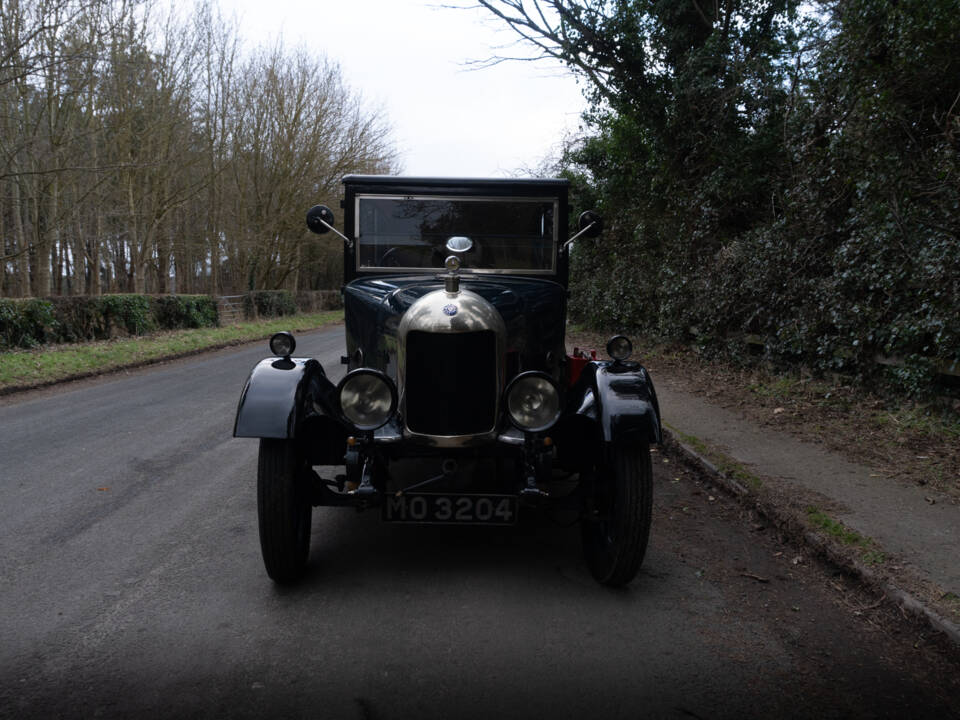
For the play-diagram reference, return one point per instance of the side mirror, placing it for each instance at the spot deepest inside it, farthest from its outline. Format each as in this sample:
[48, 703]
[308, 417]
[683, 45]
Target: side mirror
[590, 224]
[320, 219]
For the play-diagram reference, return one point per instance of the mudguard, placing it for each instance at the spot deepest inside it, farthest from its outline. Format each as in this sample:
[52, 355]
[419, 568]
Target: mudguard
[273, 405]
[620, 398]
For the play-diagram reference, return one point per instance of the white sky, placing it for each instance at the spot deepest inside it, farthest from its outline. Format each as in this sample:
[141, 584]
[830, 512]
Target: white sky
[407, 56]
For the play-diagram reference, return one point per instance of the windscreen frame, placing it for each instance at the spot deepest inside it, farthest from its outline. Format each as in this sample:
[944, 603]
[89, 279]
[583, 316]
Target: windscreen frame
[553, 200]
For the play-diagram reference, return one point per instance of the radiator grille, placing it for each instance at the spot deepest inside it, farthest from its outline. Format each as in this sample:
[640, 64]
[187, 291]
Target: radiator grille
[451, 382]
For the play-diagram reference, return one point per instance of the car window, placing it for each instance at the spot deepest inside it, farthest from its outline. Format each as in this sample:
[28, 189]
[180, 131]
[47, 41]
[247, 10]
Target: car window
[508, 234]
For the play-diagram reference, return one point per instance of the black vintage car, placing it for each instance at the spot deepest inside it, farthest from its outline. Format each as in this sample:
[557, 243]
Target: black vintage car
[460, 404]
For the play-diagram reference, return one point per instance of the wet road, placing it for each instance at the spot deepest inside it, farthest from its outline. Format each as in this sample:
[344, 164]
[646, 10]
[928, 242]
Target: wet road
[131, 584]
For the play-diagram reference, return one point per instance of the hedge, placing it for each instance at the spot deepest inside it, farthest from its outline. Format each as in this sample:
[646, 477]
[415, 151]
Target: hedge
[31, 322]
[269, 303]
[277, 303]
[26, 323]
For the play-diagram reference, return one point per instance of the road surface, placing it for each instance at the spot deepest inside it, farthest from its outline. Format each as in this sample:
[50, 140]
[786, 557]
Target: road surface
[131, 585]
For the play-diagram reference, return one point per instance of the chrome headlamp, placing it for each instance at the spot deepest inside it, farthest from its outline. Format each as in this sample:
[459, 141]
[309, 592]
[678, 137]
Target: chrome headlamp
[533, 401]
[282, 344]
[620, 347]
[368, 398]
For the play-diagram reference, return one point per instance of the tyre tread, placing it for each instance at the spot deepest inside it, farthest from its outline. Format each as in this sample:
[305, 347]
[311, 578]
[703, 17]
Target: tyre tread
[633, 474]
[279, 498]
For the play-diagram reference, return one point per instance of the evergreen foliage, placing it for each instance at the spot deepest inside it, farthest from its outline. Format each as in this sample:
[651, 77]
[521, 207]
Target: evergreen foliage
[768, 167]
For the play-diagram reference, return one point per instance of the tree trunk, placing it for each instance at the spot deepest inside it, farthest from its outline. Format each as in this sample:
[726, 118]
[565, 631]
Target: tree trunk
[41, 246]
[95, 283]
[79, 284]
[23, 260]
[4, 250]
[296, 267]
[136, 261]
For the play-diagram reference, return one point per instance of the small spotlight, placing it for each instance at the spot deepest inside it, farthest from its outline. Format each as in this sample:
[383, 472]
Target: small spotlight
[282, 344]
[620, 347]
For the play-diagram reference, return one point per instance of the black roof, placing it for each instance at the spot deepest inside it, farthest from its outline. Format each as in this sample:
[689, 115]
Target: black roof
[451, 182]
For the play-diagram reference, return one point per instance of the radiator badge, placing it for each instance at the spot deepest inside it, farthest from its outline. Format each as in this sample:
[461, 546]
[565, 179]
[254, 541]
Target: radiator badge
[450, 309]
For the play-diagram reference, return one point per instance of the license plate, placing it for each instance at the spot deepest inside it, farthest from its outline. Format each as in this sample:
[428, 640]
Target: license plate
[451, 509]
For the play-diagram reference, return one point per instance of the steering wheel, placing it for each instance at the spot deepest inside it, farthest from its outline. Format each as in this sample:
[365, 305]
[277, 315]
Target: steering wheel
[392, 258]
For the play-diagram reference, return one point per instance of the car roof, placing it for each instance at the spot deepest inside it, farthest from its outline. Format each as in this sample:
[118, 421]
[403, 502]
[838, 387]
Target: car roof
[506, 185]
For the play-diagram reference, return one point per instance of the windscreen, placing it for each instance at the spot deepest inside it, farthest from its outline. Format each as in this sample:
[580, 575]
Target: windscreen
[507, 234]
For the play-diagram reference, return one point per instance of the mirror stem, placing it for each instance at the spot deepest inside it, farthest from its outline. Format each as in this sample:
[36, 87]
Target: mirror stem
[328, 226]
[567, 243]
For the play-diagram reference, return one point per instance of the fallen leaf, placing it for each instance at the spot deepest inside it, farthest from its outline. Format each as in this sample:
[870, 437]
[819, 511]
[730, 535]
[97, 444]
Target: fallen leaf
[777, 411]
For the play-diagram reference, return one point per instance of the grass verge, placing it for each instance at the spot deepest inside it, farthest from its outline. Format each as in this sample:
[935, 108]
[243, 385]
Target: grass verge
[899, 438]
[837, 530]
[723, 462]
[815, 518]
[33, 368]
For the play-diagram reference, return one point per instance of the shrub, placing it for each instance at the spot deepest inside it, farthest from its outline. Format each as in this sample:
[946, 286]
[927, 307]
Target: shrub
[269, 303]
[173, 312]
[129, 313]
[26, 323]
[78, 318]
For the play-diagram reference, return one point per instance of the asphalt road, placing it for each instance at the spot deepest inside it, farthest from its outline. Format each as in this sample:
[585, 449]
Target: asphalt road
[131, 585]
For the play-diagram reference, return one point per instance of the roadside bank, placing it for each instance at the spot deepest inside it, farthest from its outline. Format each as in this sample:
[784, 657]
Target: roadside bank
[889, 525]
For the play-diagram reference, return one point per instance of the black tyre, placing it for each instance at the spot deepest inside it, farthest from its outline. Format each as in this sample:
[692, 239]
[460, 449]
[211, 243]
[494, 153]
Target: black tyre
[615, 533]
[283, 510]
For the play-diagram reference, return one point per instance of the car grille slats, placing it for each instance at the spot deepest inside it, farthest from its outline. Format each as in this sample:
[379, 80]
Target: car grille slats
[451, 382]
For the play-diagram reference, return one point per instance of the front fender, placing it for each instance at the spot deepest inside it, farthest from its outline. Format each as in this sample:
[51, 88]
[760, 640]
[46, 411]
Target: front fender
[620, 398]
[272, 404]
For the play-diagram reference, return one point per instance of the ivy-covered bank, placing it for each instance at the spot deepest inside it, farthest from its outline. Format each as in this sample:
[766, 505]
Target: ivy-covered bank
[779, 172]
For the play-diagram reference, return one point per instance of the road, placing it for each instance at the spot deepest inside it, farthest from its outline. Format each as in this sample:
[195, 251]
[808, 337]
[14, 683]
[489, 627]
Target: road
[131, 585]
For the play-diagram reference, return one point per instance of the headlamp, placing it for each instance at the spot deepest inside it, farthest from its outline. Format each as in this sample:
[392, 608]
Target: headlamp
[533, 401]
[368, 398]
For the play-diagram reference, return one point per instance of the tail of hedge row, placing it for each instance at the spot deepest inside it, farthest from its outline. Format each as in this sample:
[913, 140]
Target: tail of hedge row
[277, 303]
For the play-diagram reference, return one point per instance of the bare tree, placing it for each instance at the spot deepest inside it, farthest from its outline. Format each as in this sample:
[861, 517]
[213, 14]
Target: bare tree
[138, 152]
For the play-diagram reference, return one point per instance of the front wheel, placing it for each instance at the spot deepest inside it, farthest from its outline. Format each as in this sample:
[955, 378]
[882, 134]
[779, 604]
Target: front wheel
[283, 510]
[616, 530]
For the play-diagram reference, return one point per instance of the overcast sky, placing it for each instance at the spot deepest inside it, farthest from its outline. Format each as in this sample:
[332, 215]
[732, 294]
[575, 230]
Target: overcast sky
[407, 57]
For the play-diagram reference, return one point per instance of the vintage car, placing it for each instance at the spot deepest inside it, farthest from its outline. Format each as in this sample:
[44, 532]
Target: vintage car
[460, 403]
